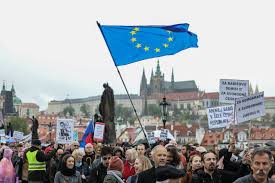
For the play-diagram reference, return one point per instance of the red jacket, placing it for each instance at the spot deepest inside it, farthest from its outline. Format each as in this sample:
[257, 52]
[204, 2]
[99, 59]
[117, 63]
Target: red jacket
[128, 170]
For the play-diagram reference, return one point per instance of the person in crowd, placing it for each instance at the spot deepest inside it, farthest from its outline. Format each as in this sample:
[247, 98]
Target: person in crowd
[193, 165]
[173, 157]
[184, 155]
[89, 156]
[81, 166]
[209, 173]
[98, 172]
[118, 151]
[7, 171]
[261, 165]
[159, 156]
[141, 149]
[142, 163]
[169, 174]
[272, 171]
[37, 161]
[129, 170]
[54, 164]
[67, 174]
[17, 160]
[98, 148]
[74, 145]
[115, 169]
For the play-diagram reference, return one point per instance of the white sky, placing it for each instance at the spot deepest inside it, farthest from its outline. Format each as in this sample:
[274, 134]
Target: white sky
[50, 49]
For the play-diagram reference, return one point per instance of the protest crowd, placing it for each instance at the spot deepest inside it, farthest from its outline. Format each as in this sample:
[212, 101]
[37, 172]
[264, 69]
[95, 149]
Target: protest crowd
[162, 162]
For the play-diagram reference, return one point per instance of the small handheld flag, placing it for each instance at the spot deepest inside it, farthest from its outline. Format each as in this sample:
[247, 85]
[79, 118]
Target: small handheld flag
[88, 135]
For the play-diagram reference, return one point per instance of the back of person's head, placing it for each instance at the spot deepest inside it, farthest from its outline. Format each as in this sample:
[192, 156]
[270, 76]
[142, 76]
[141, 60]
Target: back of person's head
[77, 153]
[116, 164]
[7, 153]
[105, 150]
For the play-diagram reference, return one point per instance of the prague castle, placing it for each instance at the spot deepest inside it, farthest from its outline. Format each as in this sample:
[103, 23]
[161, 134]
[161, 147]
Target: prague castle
[181, 94]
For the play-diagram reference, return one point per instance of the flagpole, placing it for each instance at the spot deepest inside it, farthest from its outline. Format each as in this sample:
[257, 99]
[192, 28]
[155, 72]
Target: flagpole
[98, 24]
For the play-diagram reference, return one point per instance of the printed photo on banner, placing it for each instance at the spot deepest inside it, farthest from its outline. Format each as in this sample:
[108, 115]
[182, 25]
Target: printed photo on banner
[163, 134]
[99, 131]
[232, 89]
[250, 107]
[65, 131]
[151, 137]
[220, 117]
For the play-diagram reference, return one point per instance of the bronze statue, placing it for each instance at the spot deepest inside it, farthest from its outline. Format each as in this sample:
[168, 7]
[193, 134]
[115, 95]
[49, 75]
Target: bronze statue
[34, 128]
[107, 111]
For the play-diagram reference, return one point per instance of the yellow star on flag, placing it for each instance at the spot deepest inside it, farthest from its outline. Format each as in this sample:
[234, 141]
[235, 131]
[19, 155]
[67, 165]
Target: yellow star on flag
[165, 45]
[157, 50]
[146, 48]
[170, 39]
[133, 32]
[138, 45]
[169, 32]
[136, 29]
[134, 39]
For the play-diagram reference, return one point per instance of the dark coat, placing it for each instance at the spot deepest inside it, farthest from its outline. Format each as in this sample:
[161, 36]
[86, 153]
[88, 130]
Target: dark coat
[249, 179]
[97, 174]
[199, 176]
[148, 176]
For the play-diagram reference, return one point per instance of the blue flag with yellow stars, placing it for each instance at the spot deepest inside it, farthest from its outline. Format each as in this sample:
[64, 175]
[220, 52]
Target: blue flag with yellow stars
[128, 44]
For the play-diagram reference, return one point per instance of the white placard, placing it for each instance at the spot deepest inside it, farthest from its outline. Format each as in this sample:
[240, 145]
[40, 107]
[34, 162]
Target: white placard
[220, 117]
[2, 132]
[99, 131]
[250, 107]
[18, 135]
[151, 138]
[64, 131]
[163, 134]
[231, 89]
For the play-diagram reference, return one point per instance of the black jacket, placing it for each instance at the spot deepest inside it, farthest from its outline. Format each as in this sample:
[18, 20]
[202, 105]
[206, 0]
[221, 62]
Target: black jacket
[199, 176]
[97, 174]
[148, 176]
[39, 175]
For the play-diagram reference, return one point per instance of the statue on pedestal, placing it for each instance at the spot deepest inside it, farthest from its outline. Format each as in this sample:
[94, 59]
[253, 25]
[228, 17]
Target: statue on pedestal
[107, 111]
[34, 129]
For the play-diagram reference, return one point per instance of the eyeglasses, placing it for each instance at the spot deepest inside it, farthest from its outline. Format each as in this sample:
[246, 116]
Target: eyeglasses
[106, 158]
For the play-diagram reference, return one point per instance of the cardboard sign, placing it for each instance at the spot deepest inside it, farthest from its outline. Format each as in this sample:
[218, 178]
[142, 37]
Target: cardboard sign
[250, 107]
[220, 117]
[99, 131]
[64, 131]
[232, 89]
[18, 135]
[2, 132]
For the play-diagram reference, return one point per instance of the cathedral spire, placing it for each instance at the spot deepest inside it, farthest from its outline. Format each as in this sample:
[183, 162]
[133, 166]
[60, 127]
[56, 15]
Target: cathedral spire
[172, 79]
[143, 84]
[12, 90]
[4, 86]
[158, 72]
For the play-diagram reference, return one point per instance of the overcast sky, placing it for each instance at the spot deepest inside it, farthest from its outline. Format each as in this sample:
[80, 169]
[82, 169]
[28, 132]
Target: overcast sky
[51, 49]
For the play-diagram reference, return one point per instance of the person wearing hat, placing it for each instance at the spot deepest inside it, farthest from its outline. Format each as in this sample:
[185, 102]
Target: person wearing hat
[37, 162]
[115, 169]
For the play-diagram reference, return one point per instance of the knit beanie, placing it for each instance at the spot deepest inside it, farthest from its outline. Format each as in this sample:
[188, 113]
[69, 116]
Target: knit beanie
[116, 164]
[169, 172]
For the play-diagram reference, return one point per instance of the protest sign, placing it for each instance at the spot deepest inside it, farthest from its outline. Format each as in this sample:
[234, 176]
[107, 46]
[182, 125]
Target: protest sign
[163, 134]
[151, 138]
[75, 135]
[99, 131]
[220, 117]
[2, 132]
[65, 131]
[250, 107]
[231, 89]
[18, 135]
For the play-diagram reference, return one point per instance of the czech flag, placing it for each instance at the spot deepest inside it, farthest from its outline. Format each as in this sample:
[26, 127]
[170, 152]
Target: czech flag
[88, 135]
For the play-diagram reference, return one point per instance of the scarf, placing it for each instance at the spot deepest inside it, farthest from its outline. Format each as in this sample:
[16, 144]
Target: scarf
[116, 174]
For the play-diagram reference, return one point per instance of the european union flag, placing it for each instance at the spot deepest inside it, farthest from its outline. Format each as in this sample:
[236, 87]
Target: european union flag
[128, 44]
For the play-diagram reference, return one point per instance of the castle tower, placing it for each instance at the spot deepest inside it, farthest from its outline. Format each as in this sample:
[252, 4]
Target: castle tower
[143, 84]
[172, 80]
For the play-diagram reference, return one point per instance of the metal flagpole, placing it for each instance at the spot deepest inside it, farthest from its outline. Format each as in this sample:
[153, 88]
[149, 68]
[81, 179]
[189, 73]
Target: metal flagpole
[98, 24]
